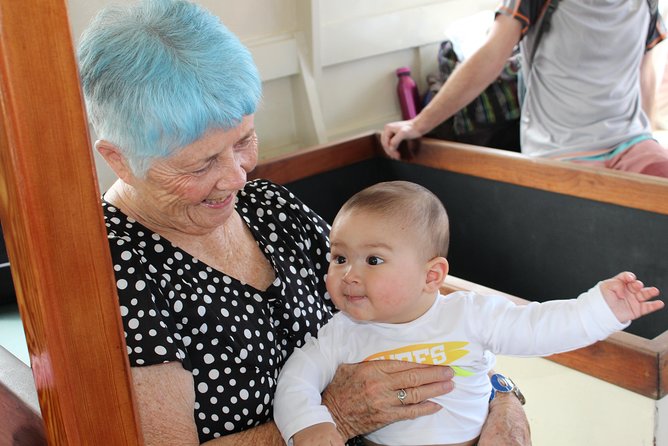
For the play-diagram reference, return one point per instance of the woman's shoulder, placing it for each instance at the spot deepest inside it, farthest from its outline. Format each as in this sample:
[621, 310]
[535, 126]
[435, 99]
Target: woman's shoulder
[114, 219]
[266, 191]
[122, 228]
[259, 196]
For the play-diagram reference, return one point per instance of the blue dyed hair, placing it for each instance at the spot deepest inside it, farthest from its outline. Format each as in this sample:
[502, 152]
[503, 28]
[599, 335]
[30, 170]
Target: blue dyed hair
[158, 74]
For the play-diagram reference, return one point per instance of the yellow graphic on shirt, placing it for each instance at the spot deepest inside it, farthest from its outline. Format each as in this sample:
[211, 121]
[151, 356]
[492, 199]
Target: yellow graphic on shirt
[438, 353]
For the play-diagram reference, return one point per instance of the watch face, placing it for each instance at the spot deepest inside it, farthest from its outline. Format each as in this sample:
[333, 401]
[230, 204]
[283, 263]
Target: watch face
[504, 384]
[501, 383]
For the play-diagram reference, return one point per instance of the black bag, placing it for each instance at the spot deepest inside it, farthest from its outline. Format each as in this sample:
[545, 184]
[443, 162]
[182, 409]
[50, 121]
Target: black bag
[492, 119]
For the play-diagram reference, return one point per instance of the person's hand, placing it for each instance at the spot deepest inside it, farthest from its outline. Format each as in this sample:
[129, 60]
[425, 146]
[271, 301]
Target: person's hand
[322, 434]
[394, 133]
[506, 424]
[628, 298]
[364, 397]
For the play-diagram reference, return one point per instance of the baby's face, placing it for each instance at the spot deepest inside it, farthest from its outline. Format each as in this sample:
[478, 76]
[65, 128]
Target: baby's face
[377, 271]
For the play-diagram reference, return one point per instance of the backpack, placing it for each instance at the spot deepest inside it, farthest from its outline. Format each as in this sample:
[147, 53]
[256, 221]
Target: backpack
[491, 119]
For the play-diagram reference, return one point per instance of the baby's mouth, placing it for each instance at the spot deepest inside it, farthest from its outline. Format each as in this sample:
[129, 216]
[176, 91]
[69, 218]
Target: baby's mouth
[355, 296]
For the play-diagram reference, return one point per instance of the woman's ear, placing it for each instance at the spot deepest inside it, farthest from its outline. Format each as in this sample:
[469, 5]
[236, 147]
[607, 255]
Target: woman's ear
[437, 271]
[115, 159]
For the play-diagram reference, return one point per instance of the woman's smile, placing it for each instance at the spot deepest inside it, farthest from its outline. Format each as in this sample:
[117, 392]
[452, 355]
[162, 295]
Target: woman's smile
[219, 203]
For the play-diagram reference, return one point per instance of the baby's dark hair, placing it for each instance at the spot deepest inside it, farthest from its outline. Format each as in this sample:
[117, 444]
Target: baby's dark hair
[410, 204]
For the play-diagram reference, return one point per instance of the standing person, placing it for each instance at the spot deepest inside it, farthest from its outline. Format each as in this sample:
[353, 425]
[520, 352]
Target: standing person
[586, 84]
[388, 260]
[219, 279]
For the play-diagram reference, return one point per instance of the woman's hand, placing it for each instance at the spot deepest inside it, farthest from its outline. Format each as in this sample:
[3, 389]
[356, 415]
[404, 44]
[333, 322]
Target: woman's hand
[364, 397]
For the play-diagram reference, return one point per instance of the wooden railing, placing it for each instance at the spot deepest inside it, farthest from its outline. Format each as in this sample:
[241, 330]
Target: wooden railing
[56, 239]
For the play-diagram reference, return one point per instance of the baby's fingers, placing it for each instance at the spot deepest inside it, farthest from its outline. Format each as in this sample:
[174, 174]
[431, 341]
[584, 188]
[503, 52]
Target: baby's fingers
[651, 306]
[647, 293]
[646, 304]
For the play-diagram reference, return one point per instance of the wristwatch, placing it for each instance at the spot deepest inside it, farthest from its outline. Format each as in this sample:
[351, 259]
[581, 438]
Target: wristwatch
[503, 384]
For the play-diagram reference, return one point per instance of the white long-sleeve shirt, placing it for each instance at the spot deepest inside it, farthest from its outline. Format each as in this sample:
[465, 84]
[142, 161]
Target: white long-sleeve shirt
[463, 330]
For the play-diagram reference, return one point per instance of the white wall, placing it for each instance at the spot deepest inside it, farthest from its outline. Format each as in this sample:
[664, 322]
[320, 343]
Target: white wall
[327, 65]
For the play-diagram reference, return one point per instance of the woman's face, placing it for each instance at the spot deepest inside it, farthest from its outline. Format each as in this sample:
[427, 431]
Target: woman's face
[194, 191]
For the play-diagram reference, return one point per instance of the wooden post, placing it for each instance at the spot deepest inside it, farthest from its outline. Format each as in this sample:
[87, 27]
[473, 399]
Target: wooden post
[56, 240]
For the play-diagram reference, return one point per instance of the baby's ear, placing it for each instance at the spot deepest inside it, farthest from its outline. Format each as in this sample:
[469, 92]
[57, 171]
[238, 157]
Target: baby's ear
[437, 271]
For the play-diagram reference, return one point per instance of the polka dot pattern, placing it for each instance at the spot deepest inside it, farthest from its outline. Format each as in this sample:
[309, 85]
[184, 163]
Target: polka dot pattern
[231, 336]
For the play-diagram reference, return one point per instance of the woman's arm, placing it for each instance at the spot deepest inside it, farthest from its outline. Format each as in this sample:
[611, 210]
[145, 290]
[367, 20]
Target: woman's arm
[506, 424]
[165, 398]
[363, 397]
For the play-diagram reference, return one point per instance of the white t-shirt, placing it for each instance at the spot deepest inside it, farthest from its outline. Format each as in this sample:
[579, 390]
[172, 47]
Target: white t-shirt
[462, 330]
[583, 94]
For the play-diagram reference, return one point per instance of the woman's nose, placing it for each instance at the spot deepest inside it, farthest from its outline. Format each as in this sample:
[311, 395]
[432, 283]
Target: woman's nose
[233, 177]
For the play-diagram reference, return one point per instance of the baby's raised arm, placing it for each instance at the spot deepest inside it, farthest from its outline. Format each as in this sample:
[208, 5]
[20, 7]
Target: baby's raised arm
[628, 298]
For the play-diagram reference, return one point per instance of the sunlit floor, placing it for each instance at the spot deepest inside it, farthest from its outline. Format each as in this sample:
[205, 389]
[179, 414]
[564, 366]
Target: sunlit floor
[12, 336]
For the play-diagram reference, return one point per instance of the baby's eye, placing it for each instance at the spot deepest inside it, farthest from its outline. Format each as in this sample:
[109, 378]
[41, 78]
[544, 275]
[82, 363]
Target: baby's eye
[373, 260]
[339, 260]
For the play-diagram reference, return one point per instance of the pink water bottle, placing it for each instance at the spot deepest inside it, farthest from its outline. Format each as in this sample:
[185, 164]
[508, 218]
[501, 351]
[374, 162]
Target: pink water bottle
[407, 90]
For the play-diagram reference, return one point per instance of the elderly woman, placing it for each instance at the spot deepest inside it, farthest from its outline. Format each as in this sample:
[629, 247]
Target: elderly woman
[219, 279]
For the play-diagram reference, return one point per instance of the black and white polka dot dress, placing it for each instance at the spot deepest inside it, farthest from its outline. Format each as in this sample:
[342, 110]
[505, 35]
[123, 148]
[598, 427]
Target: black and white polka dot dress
[231, 336]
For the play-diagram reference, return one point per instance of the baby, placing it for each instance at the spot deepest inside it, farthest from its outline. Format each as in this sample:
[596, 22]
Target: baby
[388, 254]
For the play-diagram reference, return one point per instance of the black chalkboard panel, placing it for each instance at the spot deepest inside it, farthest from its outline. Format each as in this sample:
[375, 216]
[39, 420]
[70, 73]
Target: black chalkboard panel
[529, 243]
[7, 294]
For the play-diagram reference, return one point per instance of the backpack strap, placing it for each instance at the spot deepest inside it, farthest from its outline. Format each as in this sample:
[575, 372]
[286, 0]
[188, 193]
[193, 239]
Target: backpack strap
[545, 24]
[552, 6]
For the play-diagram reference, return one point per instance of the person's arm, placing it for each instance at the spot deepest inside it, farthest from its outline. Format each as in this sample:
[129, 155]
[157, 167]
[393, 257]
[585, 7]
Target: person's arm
[298, 410]
[363, 397]
[506, 424]
[648, 85]
[463, 86]
[165, 398]
[648, 74]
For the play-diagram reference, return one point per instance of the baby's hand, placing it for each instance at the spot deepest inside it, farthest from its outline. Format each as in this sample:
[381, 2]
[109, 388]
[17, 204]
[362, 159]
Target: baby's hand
[628, 298]
[322, 434]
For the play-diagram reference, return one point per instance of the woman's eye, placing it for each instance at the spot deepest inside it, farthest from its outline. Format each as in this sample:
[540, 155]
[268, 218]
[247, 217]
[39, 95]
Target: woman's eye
[373, 260]
[244, 142]
[203, 169]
